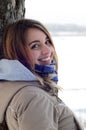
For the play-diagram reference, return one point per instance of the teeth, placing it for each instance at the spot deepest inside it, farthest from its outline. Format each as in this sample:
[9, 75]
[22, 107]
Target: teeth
[45, 59]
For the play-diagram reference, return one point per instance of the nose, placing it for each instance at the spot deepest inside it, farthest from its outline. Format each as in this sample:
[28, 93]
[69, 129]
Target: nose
[46, 49]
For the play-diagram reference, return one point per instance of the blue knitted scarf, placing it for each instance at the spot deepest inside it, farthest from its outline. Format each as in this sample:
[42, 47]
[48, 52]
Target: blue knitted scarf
[47, 71]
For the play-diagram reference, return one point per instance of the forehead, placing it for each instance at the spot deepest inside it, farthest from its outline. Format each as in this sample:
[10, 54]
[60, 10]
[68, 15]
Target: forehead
[33, 33]
[35, 30]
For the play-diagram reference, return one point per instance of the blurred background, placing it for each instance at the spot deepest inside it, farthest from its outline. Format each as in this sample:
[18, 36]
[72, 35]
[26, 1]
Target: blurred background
[66, 21]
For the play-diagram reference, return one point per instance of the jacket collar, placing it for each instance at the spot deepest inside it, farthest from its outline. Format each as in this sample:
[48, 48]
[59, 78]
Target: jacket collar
[13, 70]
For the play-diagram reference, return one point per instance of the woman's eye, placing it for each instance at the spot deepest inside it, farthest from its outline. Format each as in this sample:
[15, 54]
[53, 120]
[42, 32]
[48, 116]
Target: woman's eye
[36, 46]
[48, 42]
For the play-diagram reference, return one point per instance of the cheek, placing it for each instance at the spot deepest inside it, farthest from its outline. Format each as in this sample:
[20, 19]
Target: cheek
[52, 51]
[33, 57]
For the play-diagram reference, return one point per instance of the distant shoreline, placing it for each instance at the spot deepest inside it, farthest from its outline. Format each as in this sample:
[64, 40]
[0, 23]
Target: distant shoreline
[66, 29]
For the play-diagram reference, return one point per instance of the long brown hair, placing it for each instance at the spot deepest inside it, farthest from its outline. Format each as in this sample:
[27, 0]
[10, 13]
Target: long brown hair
[14, 40]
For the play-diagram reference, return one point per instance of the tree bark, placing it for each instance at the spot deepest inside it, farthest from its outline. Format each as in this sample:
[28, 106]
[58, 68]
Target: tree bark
[10, 11]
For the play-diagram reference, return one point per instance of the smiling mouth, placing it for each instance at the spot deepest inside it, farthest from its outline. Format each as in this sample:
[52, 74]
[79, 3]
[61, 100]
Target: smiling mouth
[45, 61]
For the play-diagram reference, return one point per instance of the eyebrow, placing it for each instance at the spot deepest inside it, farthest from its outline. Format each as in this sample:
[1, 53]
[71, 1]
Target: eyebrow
[36, 41]
[33, 42]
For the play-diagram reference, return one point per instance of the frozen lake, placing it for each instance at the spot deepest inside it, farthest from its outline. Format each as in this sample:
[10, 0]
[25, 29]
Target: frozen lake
[71, 51]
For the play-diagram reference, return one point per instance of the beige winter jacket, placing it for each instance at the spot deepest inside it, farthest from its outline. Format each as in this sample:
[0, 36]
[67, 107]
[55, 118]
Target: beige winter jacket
[31, 108]
[27, 105]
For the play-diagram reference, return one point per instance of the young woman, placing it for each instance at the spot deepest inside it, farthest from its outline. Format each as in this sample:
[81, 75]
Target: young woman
[28, 81]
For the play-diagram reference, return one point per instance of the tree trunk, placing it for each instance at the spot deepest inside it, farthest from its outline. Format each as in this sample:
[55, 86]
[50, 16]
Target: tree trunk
[10, 10]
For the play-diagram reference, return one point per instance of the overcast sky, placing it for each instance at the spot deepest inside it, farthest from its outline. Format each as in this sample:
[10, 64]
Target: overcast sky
[57, 11]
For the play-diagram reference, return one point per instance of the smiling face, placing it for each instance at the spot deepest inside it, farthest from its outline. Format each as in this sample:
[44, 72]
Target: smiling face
[40, 49]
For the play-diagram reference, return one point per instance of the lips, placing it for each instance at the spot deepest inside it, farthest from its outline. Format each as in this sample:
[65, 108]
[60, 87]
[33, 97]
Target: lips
[45, 59]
